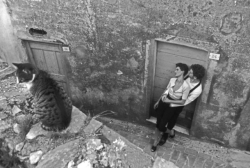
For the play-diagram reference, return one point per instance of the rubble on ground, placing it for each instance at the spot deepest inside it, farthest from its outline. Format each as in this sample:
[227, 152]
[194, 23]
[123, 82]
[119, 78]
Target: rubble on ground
[82, 145]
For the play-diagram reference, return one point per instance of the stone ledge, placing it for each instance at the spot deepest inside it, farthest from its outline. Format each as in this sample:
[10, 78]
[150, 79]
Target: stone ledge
[92, 126]
[7, 72]
[77, 122]
[60, 156]
[134, 151]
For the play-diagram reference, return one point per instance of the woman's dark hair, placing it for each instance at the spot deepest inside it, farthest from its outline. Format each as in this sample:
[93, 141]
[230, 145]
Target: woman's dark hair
[183, 67]
[198, 71]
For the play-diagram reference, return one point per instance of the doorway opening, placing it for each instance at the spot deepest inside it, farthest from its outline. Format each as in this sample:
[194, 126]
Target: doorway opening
[165, 55]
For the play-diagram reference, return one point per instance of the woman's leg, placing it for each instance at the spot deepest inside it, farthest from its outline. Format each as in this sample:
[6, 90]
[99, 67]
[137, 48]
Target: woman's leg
[173, 120]
[165, 118]
[168, 114]
[159, 111]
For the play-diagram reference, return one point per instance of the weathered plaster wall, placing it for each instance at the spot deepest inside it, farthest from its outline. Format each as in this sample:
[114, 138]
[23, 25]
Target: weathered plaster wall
[10, 49]
[108, 40]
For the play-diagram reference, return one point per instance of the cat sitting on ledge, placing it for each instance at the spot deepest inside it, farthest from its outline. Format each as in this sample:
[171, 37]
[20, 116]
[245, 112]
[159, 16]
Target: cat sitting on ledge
[49, 101]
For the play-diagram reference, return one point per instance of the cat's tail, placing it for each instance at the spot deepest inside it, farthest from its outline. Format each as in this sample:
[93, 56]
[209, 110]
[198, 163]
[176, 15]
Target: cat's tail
[65, 107]
[66, 122]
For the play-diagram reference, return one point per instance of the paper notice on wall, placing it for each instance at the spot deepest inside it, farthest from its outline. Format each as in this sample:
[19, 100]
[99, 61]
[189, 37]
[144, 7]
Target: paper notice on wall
[214, 56]
[65, 48]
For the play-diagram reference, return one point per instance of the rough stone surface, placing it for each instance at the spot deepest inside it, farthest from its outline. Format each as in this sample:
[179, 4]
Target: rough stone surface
[40, 143]
[132, 63]
[135, 156]
[71, 164]
[4, 125]
[3, 116]
[94, 143]
[15, 110]
[92, 126]
[35, 157]
[6, 72]
[85, 164]
[81, 52]
[162, 163]
[35, 131]
[199, 153]
[239, 159]
[21, 118]
[16, 128]
[60, 156]
[19, 146]
[77, 122]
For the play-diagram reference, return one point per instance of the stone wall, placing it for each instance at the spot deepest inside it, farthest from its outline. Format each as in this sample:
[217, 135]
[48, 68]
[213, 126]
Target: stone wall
[108, 39]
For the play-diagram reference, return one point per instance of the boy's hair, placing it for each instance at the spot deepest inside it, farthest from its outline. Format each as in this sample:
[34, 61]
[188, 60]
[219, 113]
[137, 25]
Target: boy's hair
[183, 67]
[198, 71]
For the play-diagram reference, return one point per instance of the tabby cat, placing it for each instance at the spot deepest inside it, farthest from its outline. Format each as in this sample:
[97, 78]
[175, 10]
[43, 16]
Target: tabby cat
[50, 102]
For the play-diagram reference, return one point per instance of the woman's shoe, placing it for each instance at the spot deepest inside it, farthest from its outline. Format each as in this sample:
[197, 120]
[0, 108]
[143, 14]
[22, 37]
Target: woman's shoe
[153, 148]
[163, 139]
[172, 136]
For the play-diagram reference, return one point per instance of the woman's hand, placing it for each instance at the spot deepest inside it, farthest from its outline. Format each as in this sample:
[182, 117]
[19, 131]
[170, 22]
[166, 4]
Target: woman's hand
[165, 99]
[156, 105]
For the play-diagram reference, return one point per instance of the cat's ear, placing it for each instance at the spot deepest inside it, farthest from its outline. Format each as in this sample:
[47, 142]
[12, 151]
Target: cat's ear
[33, 69]
[16, 65]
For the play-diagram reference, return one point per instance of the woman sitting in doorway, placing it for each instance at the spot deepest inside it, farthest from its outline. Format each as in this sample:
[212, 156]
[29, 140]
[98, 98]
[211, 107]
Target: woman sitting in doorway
[171, 103]
[194, 77]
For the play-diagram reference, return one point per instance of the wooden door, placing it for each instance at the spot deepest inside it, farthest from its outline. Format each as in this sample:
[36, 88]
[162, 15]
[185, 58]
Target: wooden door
[48, 56]
[167, 55]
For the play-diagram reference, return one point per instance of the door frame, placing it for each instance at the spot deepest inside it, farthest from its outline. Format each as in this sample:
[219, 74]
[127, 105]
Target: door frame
[150, 65]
